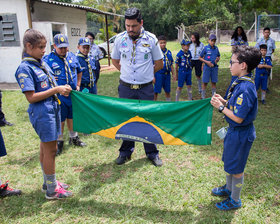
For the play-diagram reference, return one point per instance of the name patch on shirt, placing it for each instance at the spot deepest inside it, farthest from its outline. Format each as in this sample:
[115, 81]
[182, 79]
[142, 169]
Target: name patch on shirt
[146, 45]
[22, 75]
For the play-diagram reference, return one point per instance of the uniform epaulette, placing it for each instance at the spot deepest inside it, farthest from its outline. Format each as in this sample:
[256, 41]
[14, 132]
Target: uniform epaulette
[153, 36]
[120, 35]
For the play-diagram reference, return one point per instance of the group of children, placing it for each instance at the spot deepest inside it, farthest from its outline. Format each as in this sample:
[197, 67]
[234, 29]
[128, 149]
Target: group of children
[47, 82]
[192, 56]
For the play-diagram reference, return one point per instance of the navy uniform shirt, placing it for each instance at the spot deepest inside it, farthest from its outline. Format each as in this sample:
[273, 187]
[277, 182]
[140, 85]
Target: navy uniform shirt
[57, 65]
[167, 62]
[243, 103]
[137, 67]
[82, 59]
[263, 71]
[183, 59]
[210, 54]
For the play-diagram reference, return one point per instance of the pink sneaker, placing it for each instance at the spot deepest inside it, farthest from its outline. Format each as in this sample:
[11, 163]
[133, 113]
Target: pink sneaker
[59, 184]
[59, 193]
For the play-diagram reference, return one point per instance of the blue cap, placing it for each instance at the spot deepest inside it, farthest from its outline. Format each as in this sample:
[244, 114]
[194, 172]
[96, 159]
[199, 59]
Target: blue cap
[185, 42]
[61, 40]
[212, 37]
[84, 41]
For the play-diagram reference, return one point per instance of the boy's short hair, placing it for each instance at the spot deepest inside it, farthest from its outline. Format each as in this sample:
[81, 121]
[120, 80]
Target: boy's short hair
[263, 46]
[133, 13]
[266, 28]
[162, 37]
[90, 34]
[250, 55]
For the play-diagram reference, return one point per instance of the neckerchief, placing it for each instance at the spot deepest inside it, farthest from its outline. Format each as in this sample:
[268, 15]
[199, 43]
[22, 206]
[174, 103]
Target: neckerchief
[41, 65]
[89, 68]
[264, 63]
[195, 50]
[133, 54]
[236, 82]
[167, 62]
[68, 71]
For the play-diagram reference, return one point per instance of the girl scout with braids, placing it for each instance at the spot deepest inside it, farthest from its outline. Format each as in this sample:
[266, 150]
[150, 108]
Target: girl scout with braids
[67, 70]
[240, 110]
[162, 77]
[36, 81]
[88, 66]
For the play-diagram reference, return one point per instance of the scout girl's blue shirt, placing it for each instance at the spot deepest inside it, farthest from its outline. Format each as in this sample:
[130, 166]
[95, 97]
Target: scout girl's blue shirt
[167, 62]
[184, 60]
[263, 71]
[243, 103]
[31, 77]
[85, 69]
[57, 65]
[210, 54]
[238, 42]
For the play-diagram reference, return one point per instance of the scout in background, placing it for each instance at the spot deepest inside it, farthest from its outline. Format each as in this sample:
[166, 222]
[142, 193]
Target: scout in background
[210, 56]
[240, 110]
[162, 77]
[96, 54]
[67, 70]
[183, 64]
[5, 190]
[262, 72]
[36, 81]
[88, 66]
[196, 48]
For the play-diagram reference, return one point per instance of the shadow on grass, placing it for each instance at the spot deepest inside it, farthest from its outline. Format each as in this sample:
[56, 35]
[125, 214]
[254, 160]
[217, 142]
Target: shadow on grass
[95, 176]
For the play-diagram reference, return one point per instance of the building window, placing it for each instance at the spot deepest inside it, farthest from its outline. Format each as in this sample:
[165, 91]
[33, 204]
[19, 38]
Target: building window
[9, 34]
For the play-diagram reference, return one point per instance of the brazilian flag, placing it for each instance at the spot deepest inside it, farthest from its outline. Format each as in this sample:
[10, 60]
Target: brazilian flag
[169, 123]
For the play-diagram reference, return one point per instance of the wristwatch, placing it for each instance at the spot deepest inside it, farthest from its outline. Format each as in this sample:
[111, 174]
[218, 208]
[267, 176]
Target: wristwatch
[221, 108]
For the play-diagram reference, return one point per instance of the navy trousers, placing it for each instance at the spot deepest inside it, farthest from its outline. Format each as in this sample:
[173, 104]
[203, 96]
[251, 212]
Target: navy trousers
[145, 93]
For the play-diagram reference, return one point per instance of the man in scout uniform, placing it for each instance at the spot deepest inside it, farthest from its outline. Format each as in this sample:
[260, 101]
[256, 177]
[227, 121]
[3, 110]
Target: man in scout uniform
[67, 70]
[138, 56]
[88, 66]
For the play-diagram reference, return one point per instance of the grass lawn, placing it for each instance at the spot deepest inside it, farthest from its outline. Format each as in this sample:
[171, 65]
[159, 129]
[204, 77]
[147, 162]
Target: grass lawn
[138, 192]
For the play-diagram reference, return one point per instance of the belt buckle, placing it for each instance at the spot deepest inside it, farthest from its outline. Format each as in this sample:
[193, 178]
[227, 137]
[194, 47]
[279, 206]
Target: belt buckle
[134, 86]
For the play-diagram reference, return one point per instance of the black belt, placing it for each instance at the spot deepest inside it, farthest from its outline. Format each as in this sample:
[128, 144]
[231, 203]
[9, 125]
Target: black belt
[240, 128]
[135, 86]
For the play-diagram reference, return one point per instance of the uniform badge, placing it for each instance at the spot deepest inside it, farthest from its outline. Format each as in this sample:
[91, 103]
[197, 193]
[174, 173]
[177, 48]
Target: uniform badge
[239, 101]
[22, 86]
[44, 84]
[146, 56]
[146, 45]
[21, 80]
[22, 75]
[182, 64]
[70, 61]
[57, 72]
[62, 39]
[55, 65]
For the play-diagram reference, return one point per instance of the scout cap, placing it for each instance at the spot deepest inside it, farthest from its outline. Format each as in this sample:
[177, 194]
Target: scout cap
[185, 42]
[212, 37]
[61, 40]
[84, 41]
[133, 13]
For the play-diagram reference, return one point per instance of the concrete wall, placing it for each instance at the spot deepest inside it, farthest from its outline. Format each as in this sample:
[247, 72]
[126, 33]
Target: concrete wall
[74, 19]
[10, 57]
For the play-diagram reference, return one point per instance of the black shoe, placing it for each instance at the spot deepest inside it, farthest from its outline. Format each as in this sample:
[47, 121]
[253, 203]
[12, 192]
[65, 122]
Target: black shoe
[122, 159]
[59, 147]
[76, 141]
[156, 161]
[263, 102]
[5, 191]
[5, 123]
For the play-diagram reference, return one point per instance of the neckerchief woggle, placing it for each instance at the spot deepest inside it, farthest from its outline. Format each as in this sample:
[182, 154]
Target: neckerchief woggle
[89, 67]
[236, 82]
[42, 66]
[133, 54]
[68, 71]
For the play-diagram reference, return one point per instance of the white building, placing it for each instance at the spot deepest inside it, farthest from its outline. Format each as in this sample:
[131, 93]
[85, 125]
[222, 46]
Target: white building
[47, 16]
